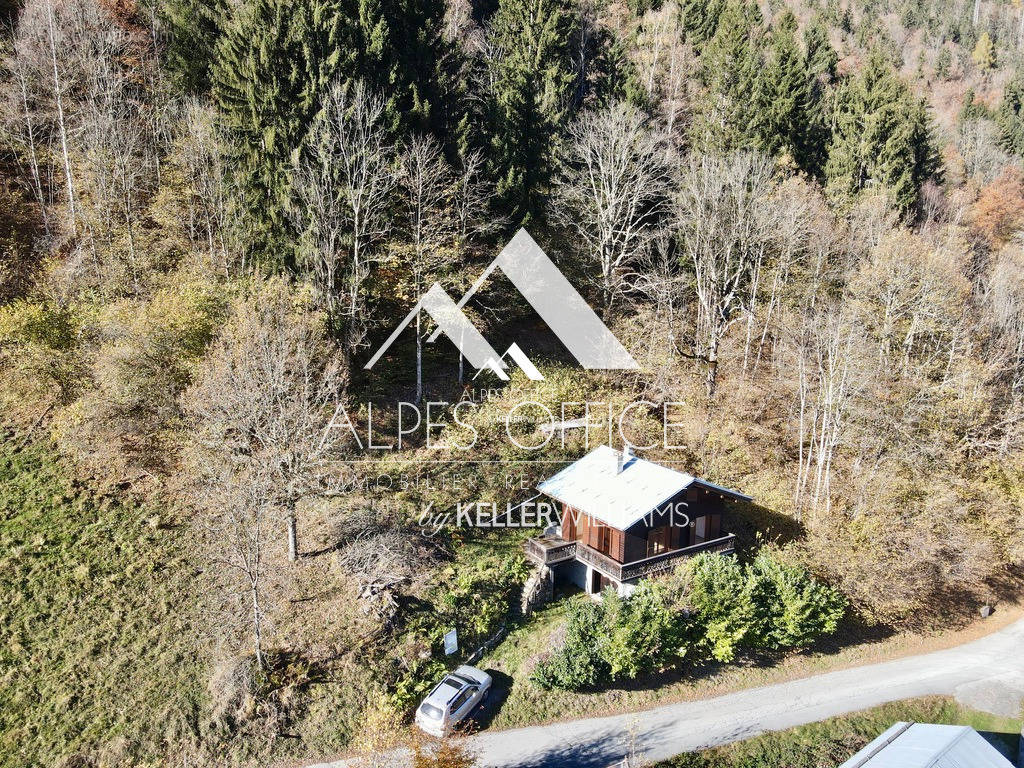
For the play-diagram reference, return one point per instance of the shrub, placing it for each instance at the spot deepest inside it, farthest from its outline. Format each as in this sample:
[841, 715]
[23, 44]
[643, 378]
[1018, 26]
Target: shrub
[712, 602]
[639, 631]
[770, 603]
[720, 596]
[795, 609]
[579, 663]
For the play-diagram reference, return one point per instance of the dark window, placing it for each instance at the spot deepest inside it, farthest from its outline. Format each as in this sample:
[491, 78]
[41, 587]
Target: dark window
[459, 701]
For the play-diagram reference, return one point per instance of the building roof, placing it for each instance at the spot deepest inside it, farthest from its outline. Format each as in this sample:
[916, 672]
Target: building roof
[595, 486]
[923, 745]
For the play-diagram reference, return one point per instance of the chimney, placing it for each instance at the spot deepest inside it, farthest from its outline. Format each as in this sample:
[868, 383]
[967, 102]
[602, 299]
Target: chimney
[624, 456]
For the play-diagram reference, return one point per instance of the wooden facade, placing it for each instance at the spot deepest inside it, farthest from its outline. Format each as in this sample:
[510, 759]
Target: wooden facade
[662, 531]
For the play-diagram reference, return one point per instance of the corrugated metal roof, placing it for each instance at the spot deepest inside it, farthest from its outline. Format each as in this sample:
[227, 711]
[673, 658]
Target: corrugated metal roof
[923, 745]
[594, 485]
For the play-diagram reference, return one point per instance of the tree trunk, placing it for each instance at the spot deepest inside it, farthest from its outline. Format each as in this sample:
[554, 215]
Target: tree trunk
[257, 625]
[60, 113]
[293, 546]
[711, 377]
[419, 361]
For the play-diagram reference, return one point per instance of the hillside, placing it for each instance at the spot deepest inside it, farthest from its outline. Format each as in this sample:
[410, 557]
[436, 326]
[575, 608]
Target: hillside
[231, 534]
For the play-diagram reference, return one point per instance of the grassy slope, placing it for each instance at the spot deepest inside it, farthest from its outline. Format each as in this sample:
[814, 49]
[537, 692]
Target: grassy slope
[830, 742]
[96, 612]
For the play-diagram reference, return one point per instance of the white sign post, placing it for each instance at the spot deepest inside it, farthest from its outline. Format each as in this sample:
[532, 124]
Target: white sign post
[451, 642]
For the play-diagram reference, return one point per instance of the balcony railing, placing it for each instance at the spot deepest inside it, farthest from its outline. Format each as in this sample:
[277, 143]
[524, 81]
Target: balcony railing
[551, 550]
[665, 561]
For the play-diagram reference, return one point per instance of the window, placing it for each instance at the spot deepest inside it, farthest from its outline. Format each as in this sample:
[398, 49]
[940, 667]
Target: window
[459, 701]
[431, 711]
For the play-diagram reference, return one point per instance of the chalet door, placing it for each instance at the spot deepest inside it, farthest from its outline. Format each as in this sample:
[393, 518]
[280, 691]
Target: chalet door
[702, 529]
[659, 540]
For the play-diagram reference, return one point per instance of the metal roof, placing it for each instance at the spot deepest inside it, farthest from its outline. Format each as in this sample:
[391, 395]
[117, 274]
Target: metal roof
[595, 486]
[923, 745]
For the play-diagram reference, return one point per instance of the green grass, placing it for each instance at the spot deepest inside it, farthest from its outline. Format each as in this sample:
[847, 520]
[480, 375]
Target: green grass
[97, 623]
[831, 742]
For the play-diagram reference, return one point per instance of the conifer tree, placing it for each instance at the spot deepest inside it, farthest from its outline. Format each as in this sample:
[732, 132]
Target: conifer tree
[194, 28]
[785, 92]
[273, 66]
[820, 57]
[532, 76]
[881, 136]
[700, 20]
[732, 114]
[1010, 116]
[400, 55]
[820, 60]
[984, 53]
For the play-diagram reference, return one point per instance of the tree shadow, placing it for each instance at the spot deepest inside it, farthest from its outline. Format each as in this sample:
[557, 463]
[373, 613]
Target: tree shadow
[754, 524]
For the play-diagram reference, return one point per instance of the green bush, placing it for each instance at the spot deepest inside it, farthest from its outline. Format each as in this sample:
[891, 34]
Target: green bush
[770, 603]
[793, 608]
[720, 596]
[713, 603]
[579, 663]
[639, 631]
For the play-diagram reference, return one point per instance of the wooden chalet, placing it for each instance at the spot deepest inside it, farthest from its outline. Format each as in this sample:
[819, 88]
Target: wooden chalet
[624, 518]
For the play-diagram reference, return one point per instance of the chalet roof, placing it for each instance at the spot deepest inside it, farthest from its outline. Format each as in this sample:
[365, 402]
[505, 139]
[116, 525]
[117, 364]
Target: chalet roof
[595, 486]
[923, 745]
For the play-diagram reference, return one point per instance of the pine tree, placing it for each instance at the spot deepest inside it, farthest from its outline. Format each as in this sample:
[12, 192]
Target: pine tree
[194, 28]
[820, 57]
[732, 115]
[881, 136]
[272, 68]
[820, 61]
[700, 20]
[984, 54]
[943, 63]
[400, 56]
[532, 75]
[1010, 116]
[785, 92]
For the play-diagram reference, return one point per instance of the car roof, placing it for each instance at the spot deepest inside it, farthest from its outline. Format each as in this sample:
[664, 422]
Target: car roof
[446, 690]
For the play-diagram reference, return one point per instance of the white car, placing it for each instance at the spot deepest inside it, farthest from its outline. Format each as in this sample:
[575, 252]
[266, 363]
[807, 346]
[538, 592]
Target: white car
[452, 700]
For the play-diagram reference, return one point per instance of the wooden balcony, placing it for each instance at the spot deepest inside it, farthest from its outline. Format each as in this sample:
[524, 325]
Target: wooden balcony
[550, 550]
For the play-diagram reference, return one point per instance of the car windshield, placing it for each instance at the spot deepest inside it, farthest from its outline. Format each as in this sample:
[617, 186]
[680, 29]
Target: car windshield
[431, 711]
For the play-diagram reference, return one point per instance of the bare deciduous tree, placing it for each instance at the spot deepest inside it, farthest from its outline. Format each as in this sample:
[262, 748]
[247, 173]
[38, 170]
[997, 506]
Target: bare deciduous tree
[726, 222]
[269, 397]
[237, 522]
[614, 195]
[345, 188]
[428, 223]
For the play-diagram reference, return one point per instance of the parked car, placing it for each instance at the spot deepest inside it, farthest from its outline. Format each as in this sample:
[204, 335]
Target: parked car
[452, 700]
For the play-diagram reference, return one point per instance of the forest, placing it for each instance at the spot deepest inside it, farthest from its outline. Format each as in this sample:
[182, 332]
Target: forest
[803, 218]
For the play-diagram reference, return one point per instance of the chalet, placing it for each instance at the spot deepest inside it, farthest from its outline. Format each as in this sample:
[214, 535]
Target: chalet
[624, 518]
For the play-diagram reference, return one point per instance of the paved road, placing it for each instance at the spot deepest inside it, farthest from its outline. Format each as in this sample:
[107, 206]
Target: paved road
[986, 673]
